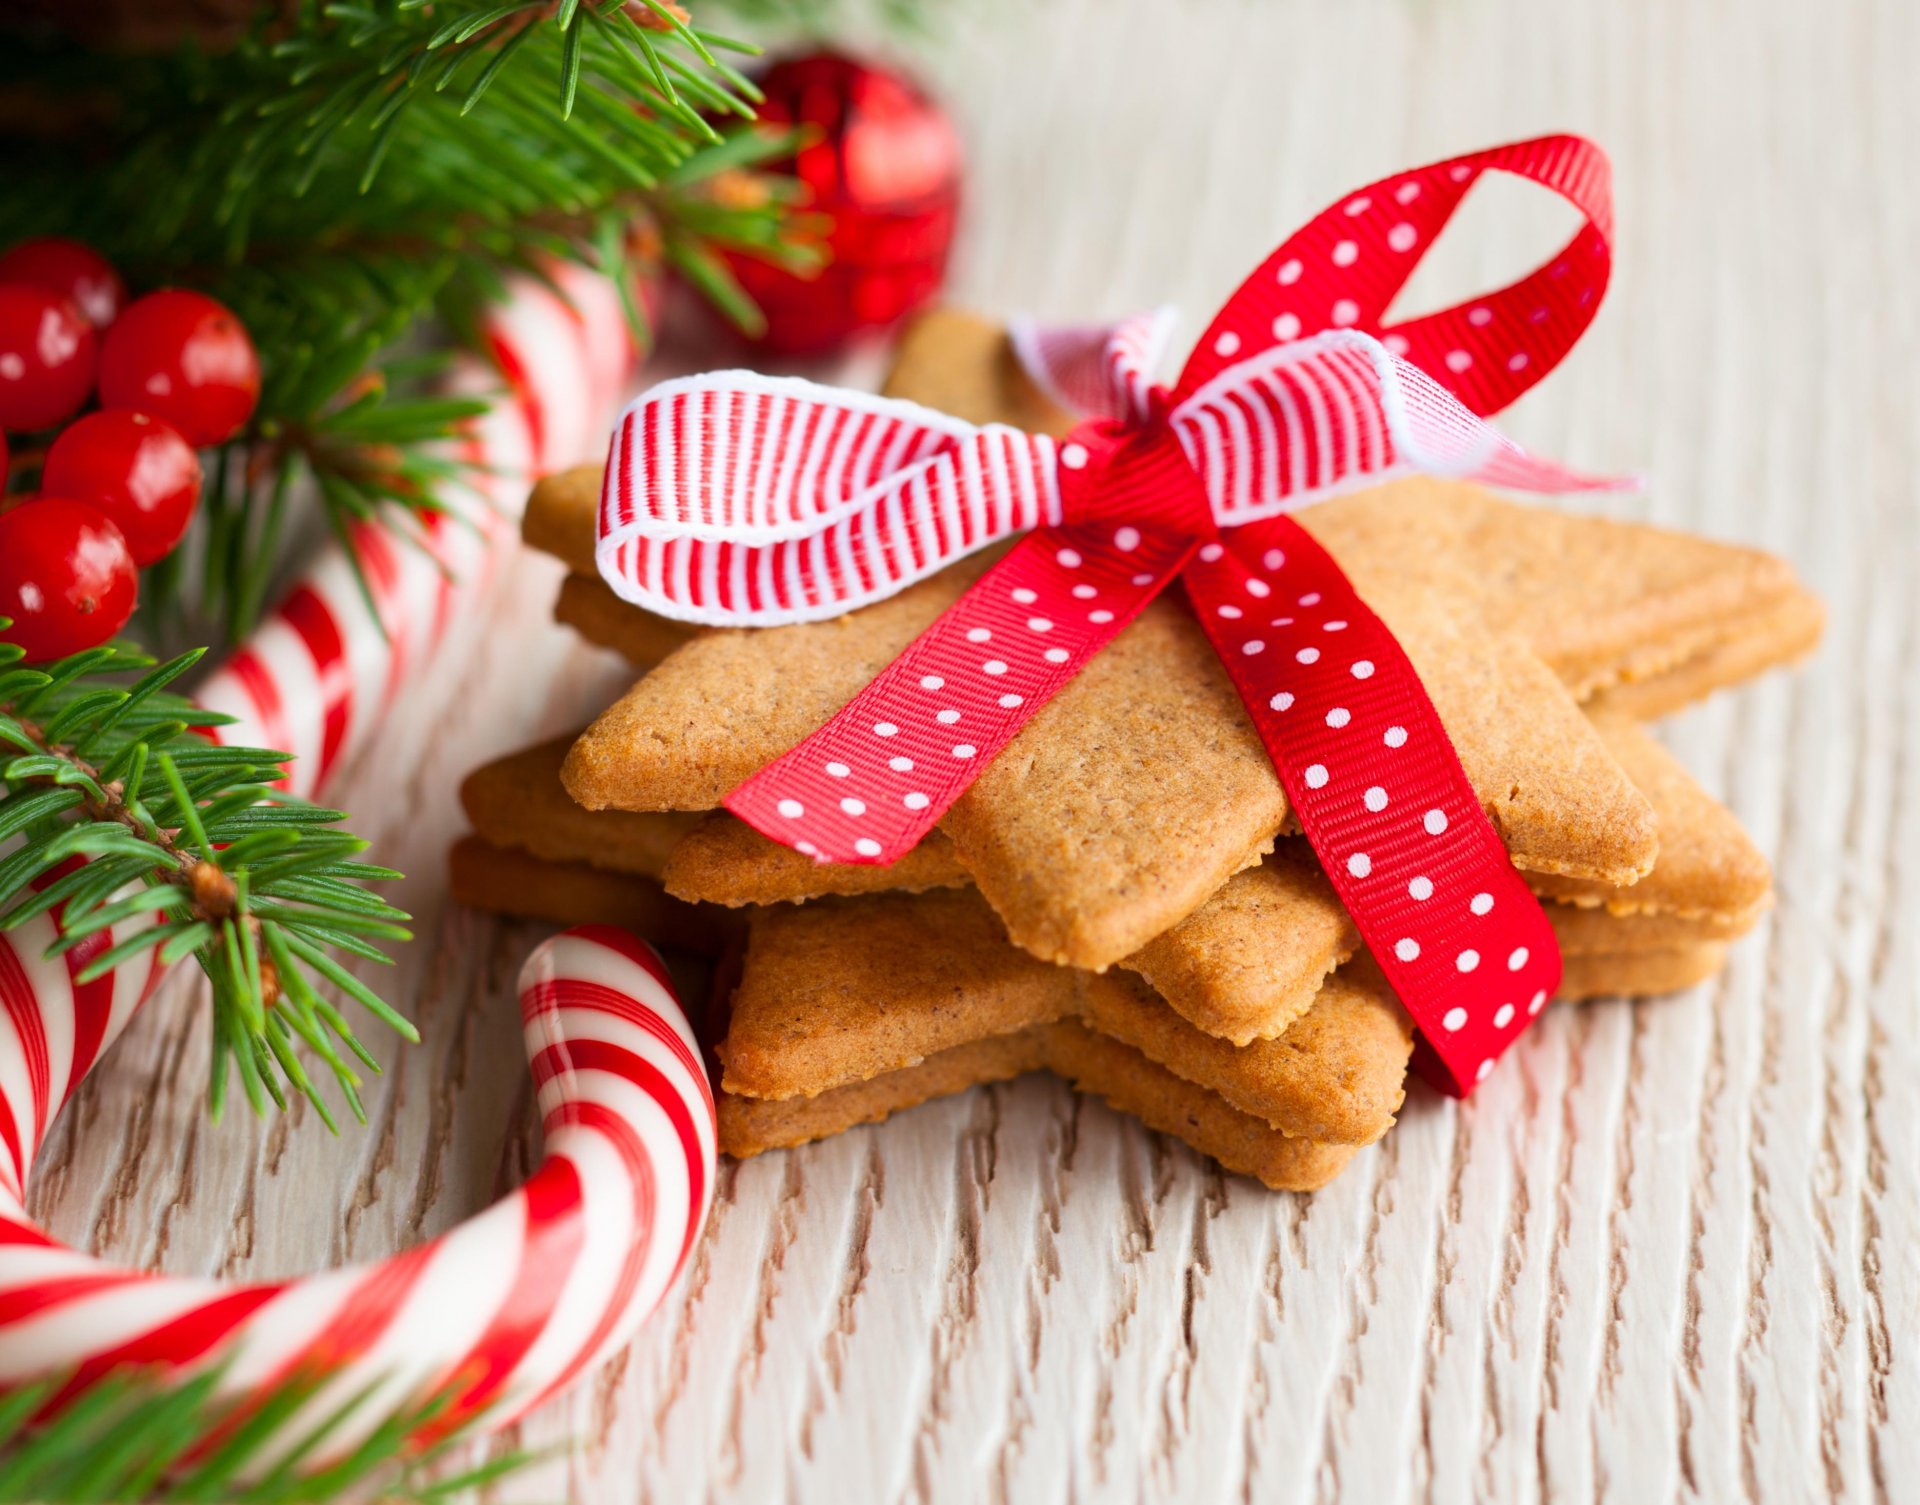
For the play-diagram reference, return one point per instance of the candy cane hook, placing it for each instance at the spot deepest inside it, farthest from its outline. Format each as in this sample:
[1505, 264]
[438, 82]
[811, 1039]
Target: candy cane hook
[504, 1311]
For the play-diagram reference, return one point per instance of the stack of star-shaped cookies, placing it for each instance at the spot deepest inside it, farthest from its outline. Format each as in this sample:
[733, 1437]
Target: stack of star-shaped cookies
[1118, 899]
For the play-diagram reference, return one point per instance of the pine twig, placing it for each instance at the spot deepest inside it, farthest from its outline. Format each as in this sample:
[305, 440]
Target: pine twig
[355, 176]
[125, 818]
[142, 1434]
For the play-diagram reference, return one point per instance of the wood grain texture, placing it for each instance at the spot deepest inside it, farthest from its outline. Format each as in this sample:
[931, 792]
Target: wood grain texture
[1671, 1251]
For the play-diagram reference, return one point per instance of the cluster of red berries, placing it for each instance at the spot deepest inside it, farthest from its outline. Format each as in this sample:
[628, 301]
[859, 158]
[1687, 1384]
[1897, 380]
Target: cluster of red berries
[175, 372]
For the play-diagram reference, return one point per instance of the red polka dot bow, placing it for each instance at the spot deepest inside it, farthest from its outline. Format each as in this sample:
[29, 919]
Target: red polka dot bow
[740, 500]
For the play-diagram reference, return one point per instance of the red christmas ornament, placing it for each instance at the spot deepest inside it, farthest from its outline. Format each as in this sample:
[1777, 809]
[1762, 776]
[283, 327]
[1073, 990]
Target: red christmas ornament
[136, 469]
[68, 267]
[183, 357]
[885, 164]
[47, 352]
[66, 578]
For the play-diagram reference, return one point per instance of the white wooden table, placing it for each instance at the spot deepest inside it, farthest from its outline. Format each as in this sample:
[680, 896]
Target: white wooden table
[1670, 1249]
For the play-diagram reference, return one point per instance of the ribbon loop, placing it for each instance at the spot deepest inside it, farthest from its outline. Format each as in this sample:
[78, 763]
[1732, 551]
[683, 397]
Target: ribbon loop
[748, 501]
[1343, 268]
[1099, 370]
[1323, 415]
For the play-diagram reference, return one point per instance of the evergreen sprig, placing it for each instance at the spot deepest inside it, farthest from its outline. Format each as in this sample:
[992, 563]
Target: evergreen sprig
[124, 819]
[138, 1434]
[354, 175]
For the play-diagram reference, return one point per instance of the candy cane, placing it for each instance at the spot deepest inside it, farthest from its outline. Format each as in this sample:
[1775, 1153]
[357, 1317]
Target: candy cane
[320, 672]
[517, 1303]
[505, 1310]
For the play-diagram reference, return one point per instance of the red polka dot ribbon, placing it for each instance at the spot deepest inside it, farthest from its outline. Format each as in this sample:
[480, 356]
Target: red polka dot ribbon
[739, 500]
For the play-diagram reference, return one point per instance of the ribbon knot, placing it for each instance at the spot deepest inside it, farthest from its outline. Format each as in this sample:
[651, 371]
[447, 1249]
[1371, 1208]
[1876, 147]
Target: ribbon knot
[1128, 479]
[740, 500]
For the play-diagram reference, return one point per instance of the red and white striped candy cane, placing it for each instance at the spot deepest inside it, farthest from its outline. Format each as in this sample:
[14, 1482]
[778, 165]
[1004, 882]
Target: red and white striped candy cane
[318, 673]
[507, 1309]
[515, 1304]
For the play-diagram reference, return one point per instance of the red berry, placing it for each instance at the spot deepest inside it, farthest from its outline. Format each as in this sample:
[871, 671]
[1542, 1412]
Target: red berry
[66, 266]
[46, 357]
[134, 468]
[185, 358]
[66, 578]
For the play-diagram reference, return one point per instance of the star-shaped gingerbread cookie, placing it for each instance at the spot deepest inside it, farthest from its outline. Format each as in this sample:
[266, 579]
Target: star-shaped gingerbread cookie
[1133, 797]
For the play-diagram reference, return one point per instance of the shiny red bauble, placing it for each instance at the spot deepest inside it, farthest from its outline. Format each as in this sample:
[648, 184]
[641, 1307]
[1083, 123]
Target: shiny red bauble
[183, 357]
[137, 469]
[70, 268]
[884, 162]
[67, 578]
[47, 357]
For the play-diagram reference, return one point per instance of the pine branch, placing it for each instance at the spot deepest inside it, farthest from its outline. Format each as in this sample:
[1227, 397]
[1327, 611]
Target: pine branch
[117, 812]
[367, 174]
[139, 1434]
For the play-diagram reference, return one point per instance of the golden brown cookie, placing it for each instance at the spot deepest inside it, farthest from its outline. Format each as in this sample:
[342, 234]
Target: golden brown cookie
[1250, 961]
[1128, 1081]
[517, 801]
[849, 989]
[1639, 974]
[503, 881]
[1245, 963]
[845, 989]
[749, 1125]
[1125, 803]
[1606, 954]
[562, 517]
[1337, 1075]
[723, 860]
[1598, 931]
[1555, 794]
[1782, 633]
[1335, 1079]
[588, 605]
[1709, 867]
[1601, 601]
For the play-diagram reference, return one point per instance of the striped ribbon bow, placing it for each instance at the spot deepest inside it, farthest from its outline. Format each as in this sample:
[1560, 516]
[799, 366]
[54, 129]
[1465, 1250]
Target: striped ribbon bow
[733, 499]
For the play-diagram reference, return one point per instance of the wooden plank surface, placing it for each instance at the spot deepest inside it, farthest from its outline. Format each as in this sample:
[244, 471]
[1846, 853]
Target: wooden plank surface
[1671, 1251]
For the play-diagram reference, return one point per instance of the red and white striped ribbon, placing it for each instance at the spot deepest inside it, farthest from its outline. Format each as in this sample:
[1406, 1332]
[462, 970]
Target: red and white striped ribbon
[1101, 369]
[507, 1309]
[736, 500]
